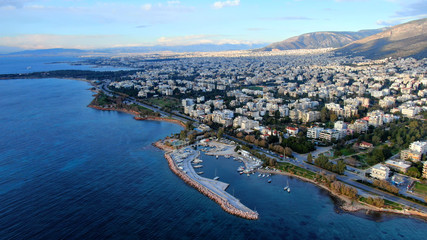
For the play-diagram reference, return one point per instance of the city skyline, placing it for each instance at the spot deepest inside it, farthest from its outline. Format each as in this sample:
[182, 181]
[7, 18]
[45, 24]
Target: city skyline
[39, 24]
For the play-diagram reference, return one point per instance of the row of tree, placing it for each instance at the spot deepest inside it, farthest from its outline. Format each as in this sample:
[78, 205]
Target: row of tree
[335, 186]
[377, 202]
[323, 162]
[341, 188]
[384, 185]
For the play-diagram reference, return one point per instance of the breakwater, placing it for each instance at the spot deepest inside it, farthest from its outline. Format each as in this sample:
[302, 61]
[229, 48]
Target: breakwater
[224, 203]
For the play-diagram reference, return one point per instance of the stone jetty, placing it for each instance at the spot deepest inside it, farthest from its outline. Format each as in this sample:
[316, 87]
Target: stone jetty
[224, 203]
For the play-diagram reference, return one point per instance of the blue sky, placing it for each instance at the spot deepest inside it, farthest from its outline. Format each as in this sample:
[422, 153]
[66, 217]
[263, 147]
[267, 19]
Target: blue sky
[36, 24]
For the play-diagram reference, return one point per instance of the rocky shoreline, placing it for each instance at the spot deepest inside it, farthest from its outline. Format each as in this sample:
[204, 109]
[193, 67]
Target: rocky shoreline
[136, 115]
[163, 119]
[113, 109]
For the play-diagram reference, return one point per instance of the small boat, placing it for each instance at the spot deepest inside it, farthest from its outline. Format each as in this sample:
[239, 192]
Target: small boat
[259, 175]
[200, 173]
[286, 188]
[269, 180]
[217, 156]
[216, 177]
[197, 160]
[241, 173]
[248, 174]
[198, 166]
[289, 190]
[240, 169]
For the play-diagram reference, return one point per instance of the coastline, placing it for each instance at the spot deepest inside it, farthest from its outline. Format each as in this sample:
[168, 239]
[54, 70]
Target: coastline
[137, 117]
[349, 205]
[163, 119]
[223, 203]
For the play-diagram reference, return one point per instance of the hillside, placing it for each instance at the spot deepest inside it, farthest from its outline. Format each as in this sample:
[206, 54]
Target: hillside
[320, 40]
[404, 40]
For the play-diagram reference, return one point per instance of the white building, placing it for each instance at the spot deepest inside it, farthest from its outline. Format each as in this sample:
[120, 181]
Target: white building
[420, 147]
[380, 172]
[314, 132]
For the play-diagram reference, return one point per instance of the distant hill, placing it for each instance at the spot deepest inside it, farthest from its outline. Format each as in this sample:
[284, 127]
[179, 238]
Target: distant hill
[320, 40]
[5, 49]
[142, 49]
[404, 40]
[186, 48]
[50, 52]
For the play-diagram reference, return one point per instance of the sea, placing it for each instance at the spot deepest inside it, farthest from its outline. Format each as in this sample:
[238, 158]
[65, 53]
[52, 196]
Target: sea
[71, 172]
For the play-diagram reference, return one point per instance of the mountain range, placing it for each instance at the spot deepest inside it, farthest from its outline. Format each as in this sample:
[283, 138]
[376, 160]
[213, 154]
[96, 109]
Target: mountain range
[316, 40]
[141, 49]
[404, 40]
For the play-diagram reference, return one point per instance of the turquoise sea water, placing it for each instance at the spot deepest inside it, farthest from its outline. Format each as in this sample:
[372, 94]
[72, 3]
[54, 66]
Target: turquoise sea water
[71, 172]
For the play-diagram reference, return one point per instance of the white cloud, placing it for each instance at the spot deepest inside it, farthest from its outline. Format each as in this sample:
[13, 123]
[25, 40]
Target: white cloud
[399, 20]
[146, 7]
[198, 39]
[228, 3]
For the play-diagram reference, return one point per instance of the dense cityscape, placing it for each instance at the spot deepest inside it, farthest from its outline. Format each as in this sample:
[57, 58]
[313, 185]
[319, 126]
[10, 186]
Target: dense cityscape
[360, 119]
[225, 119]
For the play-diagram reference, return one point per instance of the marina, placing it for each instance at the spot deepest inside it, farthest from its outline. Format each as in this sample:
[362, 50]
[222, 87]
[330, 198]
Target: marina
[212, 188]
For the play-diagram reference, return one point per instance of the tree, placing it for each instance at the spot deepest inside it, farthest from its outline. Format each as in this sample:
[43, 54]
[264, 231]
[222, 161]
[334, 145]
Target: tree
[182, 135]
[189, 125]
[324, 114]
[333, 117]
[413, 172]
[192, 138]
[309, 158]
[272, 162]
[288, 152]
[220, 133]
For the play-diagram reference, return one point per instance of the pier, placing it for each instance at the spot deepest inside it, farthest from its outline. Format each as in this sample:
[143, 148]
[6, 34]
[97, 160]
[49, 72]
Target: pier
[213, 189]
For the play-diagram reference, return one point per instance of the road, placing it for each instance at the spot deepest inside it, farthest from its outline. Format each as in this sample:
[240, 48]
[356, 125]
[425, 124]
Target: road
[349, 177]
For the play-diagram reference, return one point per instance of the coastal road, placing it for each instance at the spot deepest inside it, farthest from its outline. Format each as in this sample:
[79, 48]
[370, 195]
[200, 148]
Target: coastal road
[348, 178]
[299, 160]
